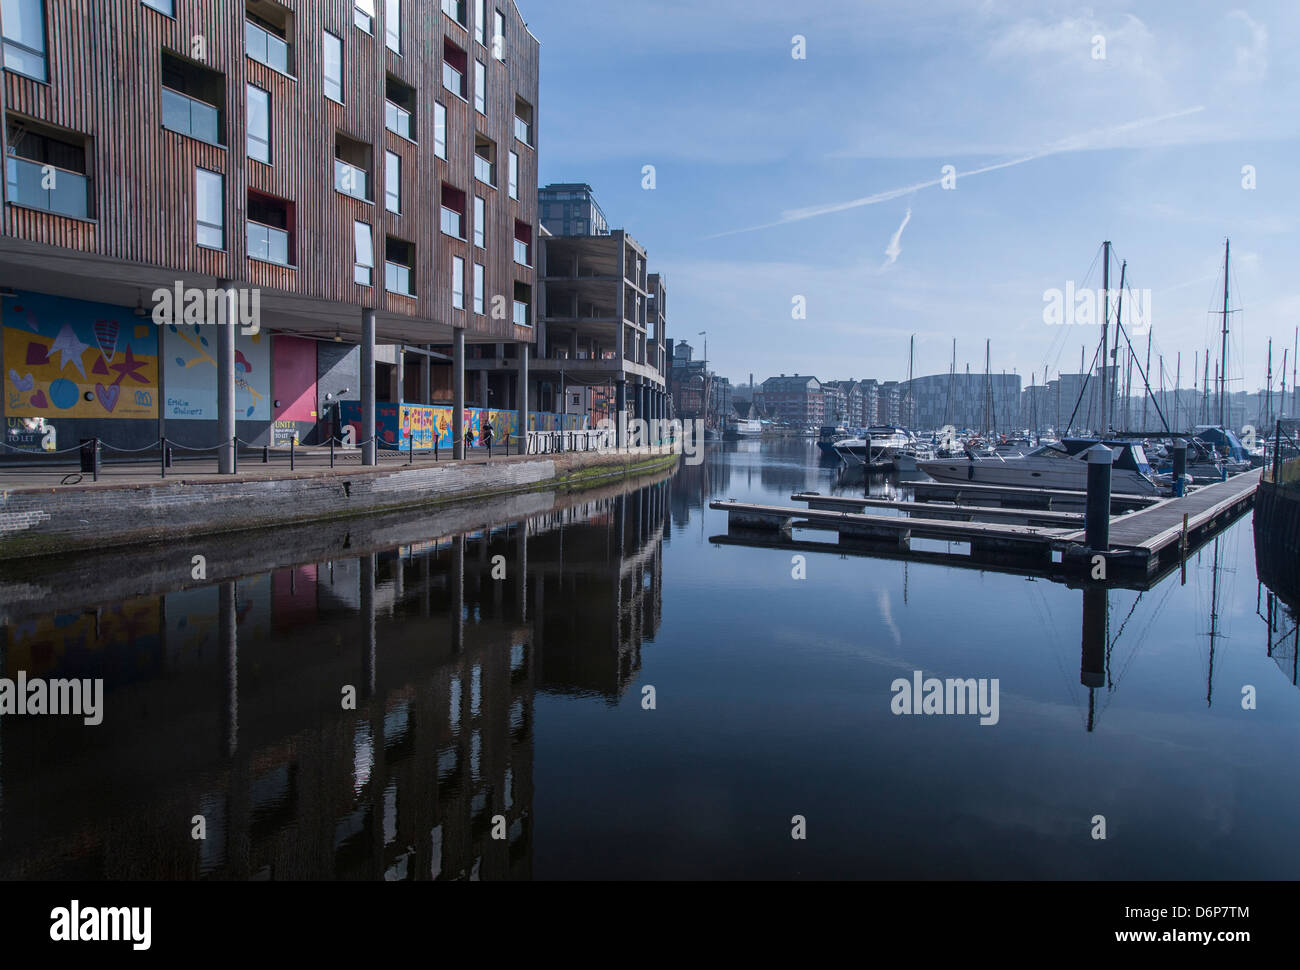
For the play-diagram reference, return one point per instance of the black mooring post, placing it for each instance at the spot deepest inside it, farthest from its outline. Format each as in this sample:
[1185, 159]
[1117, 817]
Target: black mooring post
[292, 456]
[1097, 516]
[162, 457]
[266, 454]
[410, 447]
[331, 451]
[435, 447]
[234, 455]
[1180, 467]
[95, 459]
[1092, 666]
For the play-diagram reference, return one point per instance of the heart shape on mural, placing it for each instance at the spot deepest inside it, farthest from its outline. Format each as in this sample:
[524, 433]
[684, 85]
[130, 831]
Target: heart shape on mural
[108, 395]
[38, 400]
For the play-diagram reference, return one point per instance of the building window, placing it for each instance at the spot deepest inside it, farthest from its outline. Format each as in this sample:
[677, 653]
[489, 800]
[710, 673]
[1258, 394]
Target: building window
[514, 175]
[333, 61]
[458, 282]
[259, 124]
[453, 212]
[499, 35]
[399, 108]
[209, 209]
[439, 130]
[24, 37]
[352, 167]
[393, 182]
[267, 29]
[399, 267]
[524, 244]
[365, 261]
[269, 226]
[480, 275]
[454, 66]
[47, 171]
[523, 309]
[480, 223]
[455, 9]
[393, 25]
[162, 6]
[363, 15]
[524, 121]
[192, 99]
[485, 160]
[480, 22]
[480, 87]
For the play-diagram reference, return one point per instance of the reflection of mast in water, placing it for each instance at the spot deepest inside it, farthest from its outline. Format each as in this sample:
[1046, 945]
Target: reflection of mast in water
[1214, 625]
[1278, 648]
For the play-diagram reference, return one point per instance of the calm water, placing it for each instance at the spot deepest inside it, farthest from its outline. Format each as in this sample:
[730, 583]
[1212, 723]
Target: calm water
[516, 704]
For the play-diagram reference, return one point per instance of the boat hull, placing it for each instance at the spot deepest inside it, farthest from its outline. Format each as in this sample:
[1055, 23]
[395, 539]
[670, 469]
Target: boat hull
[1015, 473]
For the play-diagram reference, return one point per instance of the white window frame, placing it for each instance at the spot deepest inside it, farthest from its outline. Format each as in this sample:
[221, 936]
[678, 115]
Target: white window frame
[199, 175]
[440, 130]
[369, 242]
[393, 26]
[480, 222]
[498, 30]
[480, 87]
[325, 66]
[458, 282]
[363, 15]
[480, 284]
[514, 175]
[253, 91]
[393, 182]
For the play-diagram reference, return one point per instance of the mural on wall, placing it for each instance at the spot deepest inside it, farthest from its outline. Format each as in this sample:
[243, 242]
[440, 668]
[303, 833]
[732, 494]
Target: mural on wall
[426, 421]
[76, 359]
[190, 374]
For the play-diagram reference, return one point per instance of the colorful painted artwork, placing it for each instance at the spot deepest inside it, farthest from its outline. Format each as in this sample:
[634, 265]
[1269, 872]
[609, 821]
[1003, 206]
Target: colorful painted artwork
[190, 374]
[424, 421]
[76, 359]
[121, 643]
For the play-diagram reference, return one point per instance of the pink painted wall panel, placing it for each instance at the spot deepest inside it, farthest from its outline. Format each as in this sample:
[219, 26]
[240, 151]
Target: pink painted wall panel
[293, 362]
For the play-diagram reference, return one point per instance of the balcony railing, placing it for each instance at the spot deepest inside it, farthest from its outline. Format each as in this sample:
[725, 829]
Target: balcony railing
[523, 130]
[453, 80]
[397, 119]
[397, 279]
[266, 48]
[188, 116]
[453, 223]
[268, 243]
[521, 314]
[483, 170]
[521, 253]
[68, 193]
[351, 180]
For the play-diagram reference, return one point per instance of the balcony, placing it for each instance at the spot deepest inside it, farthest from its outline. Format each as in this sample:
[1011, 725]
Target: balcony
[266, 48]
[397, 279]
[453, 223]
[521, 314]
[351, 180]
[188, 116]
[268, 244]
[521, 253]
[523, 131]
[68, 194]
[397, 120]
[483, 170]
[453, 80]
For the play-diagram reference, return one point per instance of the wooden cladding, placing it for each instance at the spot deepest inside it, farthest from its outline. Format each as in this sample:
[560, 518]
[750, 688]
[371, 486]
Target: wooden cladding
[105, 68]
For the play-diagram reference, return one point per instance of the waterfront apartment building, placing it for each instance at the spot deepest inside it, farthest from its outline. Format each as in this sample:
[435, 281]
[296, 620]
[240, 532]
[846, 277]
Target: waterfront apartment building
[798, 401]
[365, 171]
[843, 403]
[603, 319]
[570, 209]
[975, 401]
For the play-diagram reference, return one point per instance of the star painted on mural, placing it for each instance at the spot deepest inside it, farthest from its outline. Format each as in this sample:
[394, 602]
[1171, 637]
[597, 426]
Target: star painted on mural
[130, 368]
[70, 349]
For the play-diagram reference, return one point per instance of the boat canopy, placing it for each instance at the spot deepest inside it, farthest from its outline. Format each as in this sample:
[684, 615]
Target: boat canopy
[1128, 454]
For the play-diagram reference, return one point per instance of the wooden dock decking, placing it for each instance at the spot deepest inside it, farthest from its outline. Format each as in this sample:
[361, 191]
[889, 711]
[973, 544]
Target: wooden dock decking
[1137, 538]
[1019, 498]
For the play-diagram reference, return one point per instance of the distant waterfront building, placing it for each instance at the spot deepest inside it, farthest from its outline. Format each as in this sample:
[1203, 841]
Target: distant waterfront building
[570, 209]
[796, 400]
[964, 400]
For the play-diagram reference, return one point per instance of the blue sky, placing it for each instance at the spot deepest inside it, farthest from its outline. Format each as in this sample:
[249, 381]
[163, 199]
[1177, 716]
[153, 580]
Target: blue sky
[779, 177]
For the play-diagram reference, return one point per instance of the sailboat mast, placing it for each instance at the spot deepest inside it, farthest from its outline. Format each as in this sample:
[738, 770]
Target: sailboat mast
[1178, 379]
[987, 345]
[1105, 329]
[1147, 378]
[1268, 387]
[1223, 357]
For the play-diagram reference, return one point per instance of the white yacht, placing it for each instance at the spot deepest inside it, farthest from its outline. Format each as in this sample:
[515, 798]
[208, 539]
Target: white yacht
[1059, 465]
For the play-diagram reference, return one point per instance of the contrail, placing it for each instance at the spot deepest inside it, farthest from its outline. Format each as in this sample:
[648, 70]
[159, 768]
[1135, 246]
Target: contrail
[1072, 144]
[893, 249]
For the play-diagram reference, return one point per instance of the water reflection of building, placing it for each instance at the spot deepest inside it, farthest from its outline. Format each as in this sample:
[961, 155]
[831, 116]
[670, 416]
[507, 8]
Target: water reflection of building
[228, 701]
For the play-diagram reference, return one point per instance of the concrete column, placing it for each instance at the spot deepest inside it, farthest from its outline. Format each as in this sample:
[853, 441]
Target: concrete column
[368, 624]
[483, 400]
[226, 383]
[458, 393]
[521, 392]
[458, 593]
[621, 307]
[620, 408]
[399, 379]
[369, 451]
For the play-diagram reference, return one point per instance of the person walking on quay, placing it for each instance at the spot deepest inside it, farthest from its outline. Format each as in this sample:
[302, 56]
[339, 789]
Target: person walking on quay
[487, 440]
[469, 440]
